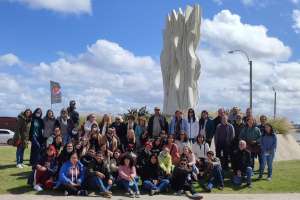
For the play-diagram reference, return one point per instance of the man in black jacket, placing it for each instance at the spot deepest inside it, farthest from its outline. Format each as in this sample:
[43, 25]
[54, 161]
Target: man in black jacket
[242, 164]
[157, 123]
[98, 175]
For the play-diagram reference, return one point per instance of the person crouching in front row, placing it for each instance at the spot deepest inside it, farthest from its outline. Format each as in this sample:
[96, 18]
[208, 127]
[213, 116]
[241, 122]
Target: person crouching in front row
[242, 164]
[153, 179]
[71, 177]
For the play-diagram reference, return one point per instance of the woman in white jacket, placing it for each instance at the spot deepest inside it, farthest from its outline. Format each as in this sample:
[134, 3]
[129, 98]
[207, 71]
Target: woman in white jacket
[200, 147]
[193, 126]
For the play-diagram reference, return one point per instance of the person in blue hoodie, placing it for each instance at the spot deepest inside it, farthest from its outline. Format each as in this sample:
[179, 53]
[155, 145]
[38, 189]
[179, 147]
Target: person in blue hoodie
[268, 148]
[71, 177]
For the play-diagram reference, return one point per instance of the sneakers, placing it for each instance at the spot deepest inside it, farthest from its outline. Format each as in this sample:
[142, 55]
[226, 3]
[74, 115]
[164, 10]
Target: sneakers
[249, 185]
[106, 194]
[38, 188]
[179, 192]
[130, 193]
[66, 193]
[188, 193]
[269, 178]
[153, 192]
[82, 193]
[20, 166]
[137, 194]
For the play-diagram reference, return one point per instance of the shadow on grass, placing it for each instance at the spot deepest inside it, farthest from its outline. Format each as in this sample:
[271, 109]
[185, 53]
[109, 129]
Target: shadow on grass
[20, 190]
[22, 175]
[8, 166]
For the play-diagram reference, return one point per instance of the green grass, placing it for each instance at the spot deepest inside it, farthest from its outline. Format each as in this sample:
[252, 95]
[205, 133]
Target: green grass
[286, 177]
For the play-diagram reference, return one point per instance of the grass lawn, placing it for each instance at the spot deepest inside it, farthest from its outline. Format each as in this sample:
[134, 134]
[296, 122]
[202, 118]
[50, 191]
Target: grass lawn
[286, 177]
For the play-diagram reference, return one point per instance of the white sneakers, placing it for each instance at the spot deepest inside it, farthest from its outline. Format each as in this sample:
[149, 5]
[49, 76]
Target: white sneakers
[38, 188]
[20, 166]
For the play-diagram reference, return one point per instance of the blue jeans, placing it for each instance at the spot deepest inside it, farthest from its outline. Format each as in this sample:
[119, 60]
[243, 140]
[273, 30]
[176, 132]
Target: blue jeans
[217, 177]
[129, 185]
[238, 180]
[161, 186]
[99, 184]
[267, 159]
[20, 154]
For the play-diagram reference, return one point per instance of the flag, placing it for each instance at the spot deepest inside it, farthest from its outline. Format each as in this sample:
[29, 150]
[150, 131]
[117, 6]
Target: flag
[55, 90]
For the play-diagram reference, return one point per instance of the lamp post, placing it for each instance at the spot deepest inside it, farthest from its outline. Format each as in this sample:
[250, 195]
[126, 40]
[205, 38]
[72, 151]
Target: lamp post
[250, 65]
[275, 102]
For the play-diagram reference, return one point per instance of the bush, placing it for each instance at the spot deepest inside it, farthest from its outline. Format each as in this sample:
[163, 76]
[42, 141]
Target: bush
[281, 125]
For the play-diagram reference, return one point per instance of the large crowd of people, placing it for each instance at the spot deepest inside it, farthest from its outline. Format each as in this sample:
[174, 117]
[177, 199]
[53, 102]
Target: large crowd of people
[152, 154]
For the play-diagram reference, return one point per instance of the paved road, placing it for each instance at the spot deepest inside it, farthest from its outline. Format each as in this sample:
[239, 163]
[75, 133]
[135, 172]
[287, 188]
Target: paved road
[290, 196]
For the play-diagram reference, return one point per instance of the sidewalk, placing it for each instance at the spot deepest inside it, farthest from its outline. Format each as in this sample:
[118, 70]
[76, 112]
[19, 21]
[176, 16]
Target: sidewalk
[285, 196]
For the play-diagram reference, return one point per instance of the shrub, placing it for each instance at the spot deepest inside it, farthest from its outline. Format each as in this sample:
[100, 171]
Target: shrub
[281, 125]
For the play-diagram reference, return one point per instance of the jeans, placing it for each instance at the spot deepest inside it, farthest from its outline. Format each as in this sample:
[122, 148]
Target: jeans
[20, 154]
[223, 152]
[129, 185]
[238, 180]
[217, 177]
[98, 183]
[161, 186]
[267, 159]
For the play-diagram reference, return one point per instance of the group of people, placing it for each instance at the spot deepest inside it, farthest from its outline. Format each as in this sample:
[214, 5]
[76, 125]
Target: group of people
[152, 154]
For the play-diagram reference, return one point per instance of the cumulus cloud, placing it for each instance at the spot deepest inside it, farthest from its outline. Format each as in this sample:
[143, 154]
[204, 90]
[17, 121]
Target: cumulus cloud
[296, 18]
[62, 6]
[9, 60]
[106, 78]
[226, 32]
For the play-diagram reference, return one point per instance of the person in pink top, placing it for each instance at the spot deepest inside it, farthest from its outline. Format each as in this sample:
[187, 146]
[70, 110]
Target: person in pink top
[173, 149]
[127, 177]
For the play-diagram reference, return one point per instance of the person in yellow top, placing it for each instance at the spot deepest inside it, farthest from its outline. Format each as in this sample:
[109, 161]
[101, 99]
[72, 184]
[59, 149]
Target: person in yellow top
[165, 161]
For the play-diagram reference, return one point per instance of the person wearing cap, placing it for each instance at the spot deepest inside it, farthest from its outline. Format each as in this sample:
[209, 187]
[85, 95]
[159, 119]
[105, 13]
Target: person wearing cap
[45, 170]
[214, 170]
[178, 124]
[241, 164]
[157, 123]
[233, 114]
[73, 114]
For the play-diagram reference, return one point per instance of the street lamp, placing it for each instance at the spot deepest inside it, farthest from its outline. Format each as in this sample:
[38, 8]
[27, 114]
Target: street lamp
[250, 64]
[275, 102]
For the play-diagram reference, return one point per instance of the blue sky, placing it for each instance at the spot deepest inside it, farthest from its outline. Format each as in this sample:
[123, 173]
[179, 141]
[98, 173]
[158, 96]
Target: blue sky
[38, 38]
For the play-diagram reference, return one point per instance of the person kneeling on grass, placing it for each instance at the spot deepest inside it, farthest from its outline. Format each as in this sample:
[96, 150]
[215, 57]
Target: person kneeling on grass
[152, 176]
[214, 171]
[181, 181]
[45, 170]
[98, 176]
[242, 164]
[127, 177]
[71, 177]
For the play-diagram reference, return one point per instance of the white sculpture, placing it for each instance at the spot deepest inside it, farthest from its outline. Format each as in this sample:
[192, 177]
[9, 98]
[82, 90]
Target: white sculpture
[180, 65]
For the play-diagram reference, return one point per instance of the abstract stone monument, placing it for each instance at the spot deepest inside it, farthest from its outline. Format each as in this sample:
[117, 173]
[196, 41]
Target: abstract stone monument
[180, 65]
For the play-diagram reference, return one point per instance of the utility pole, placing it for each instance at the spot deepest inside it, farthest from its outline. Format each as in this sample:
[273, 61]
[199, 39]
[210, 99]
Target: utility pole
[275, 102]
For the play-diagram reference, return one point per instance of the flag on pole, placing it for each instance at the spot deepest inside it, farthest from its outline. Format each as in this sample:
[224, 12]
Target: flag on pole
[55, 90]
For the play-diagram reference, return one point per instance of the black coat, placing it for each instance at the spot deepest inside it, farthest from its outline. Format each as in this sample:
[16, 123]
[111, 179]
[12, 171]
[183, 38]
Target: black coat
[241, 160]
[180, 178]
[121, 131]
[151, 172]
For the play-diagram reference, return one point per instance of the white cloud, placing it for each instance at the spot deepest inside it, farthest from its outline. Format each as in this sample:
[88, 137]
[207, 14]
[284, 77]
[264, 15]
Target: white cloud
[219, 2]
[296, 18]
[107, 78]
[226, 32]
[9, 60]
[295, 1]
[248, 2]
[62, 6]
